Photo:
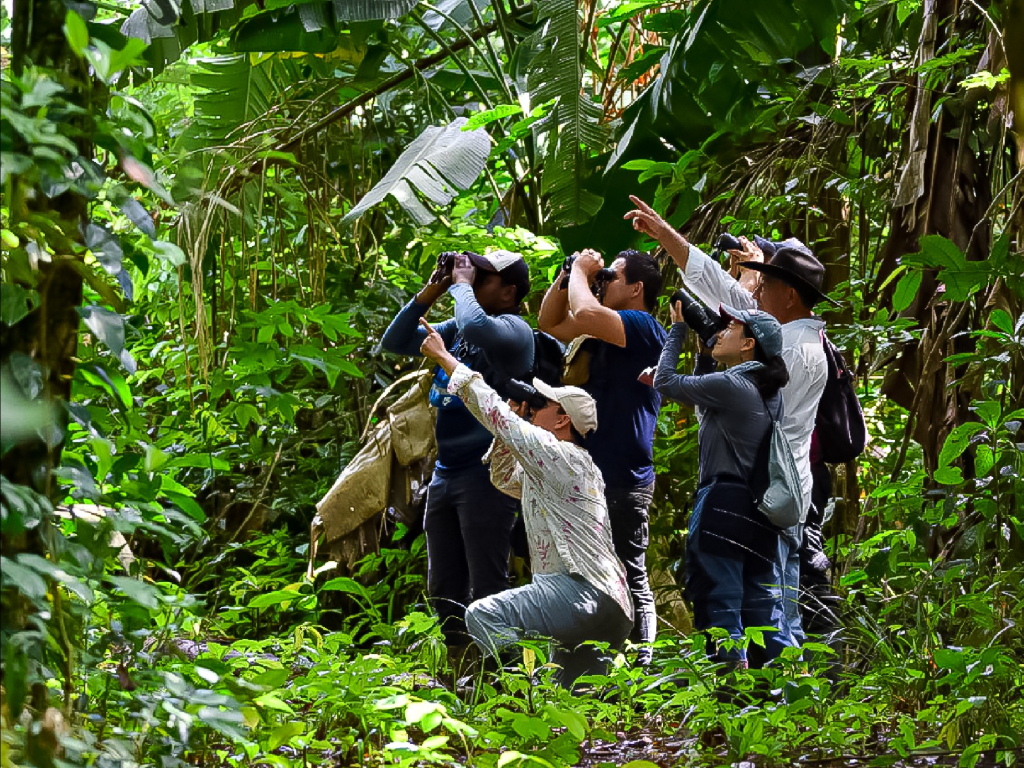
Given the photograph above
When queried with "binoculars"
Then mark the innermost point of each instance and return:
(705, 323)
(521, 392)
(600, 279)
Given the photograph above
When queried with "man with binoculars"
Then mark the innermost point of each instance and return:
(467, 552)
(611, 309)
(789, 287)
(578, 592)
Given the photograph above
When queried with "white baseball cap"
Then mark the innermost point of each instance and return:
(577, 403)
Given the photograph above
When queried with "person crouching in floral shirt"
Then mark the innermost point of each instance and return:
(579, 591)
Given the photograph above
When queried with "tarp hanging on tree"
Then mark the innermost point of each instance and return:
(361, 490)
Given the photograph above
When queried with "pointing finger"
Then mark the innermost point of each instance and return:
(425, 324)
(641, 204)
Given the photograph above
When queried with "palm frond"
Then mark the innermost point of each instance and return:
(456, 10)
(231, 91)
(437, 163)
(170, 28)
(371, 10)
(556, 74)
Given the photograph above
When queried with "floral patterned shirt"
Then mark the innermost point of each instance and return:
(561, 489)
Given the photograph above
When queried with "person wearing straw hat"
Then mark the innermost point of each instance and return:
(789, 289)
(579, 591)
(732, 550)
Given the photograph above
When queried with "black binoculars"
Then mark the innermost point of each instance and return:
(705, 323)
(521, 392)
(603, 276)
(727, 242)
(446, 261)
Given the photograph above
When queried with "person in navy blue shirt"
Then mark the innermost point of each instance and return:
(625, 340)
(468, 521)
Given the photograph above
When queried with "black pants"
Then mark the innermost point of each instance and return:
(468, 524)
(628, 512)
(817, 600)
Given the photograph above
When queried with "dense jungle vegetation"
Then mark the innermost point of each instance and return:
(211, 209)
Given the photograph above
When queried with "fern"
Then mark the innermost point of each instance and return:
(574, 122)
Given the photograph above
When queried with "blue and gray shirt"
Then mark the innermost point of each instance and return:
(479, 340)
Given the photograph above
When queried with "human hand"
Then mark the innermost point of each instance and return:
(675, 311)
(442, 274)
(519, 409)
(646, 220)
(750, 252)
(464, 271)
(433, 346)
(589, 262)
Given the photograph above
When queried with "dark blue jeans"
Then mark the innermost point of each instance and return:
(733, 574)
(468, 524)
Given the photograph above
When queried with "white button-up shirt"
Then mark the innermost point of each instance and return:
(561, 488)
(801, 349)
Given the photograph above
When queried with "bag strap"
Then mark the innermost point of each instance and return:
(732, 448)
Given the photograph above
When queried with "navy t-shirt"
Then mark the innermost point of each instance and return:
(627, 410)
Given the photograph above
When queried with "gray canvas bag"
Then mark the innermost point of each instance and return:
(775, 481)
(782, 502)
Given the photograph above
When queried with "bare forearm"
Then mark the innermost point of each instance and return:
(677, 247)
(554, 307)
(447, 362)
(580, 296)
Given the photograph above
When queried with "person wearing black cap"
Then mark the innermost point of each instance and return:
(789, 288)
(467, 553)
(732, 565)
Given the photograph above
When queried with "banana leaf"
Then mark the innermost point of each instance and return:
(435, 165)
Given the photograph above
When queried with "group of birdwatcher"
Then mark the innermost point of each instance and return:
(548, 434)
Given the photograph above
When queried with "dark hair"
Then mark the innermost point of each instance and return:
(774, 376)
(642, 268)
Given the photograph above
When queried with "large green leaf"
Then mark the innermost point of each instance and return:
(574, 123)
(372, 10)
(230, 92)
(439, 161)
(308, 27)
(170, 26)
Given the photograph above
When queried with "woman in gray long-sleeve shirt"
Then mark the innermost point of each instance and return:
(732, 568)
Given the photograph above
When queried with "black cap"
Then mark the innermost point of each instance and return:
(510, 265)
(795, 265)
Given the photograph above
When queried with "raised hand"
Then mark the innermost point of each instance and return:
(589, 262)
(750, 252)
(645, 219)
(432, 346)
(464, 271)
(675, 311)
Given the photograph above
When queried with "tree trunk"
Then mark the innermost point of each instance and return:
(944, 190)
(44, 342)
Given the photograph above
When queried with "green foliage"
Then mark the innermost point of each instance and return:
(156, 583)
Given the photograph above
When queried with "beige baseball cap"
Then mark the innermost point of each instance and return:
(577, 403)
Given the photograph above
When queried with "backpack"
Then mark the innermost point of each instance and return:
(775, 481)
(548, 354)
(782, 501)
(547, 364)
(839, 424)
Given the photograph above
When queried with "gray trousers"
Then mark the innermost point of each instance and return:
(565, 608)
